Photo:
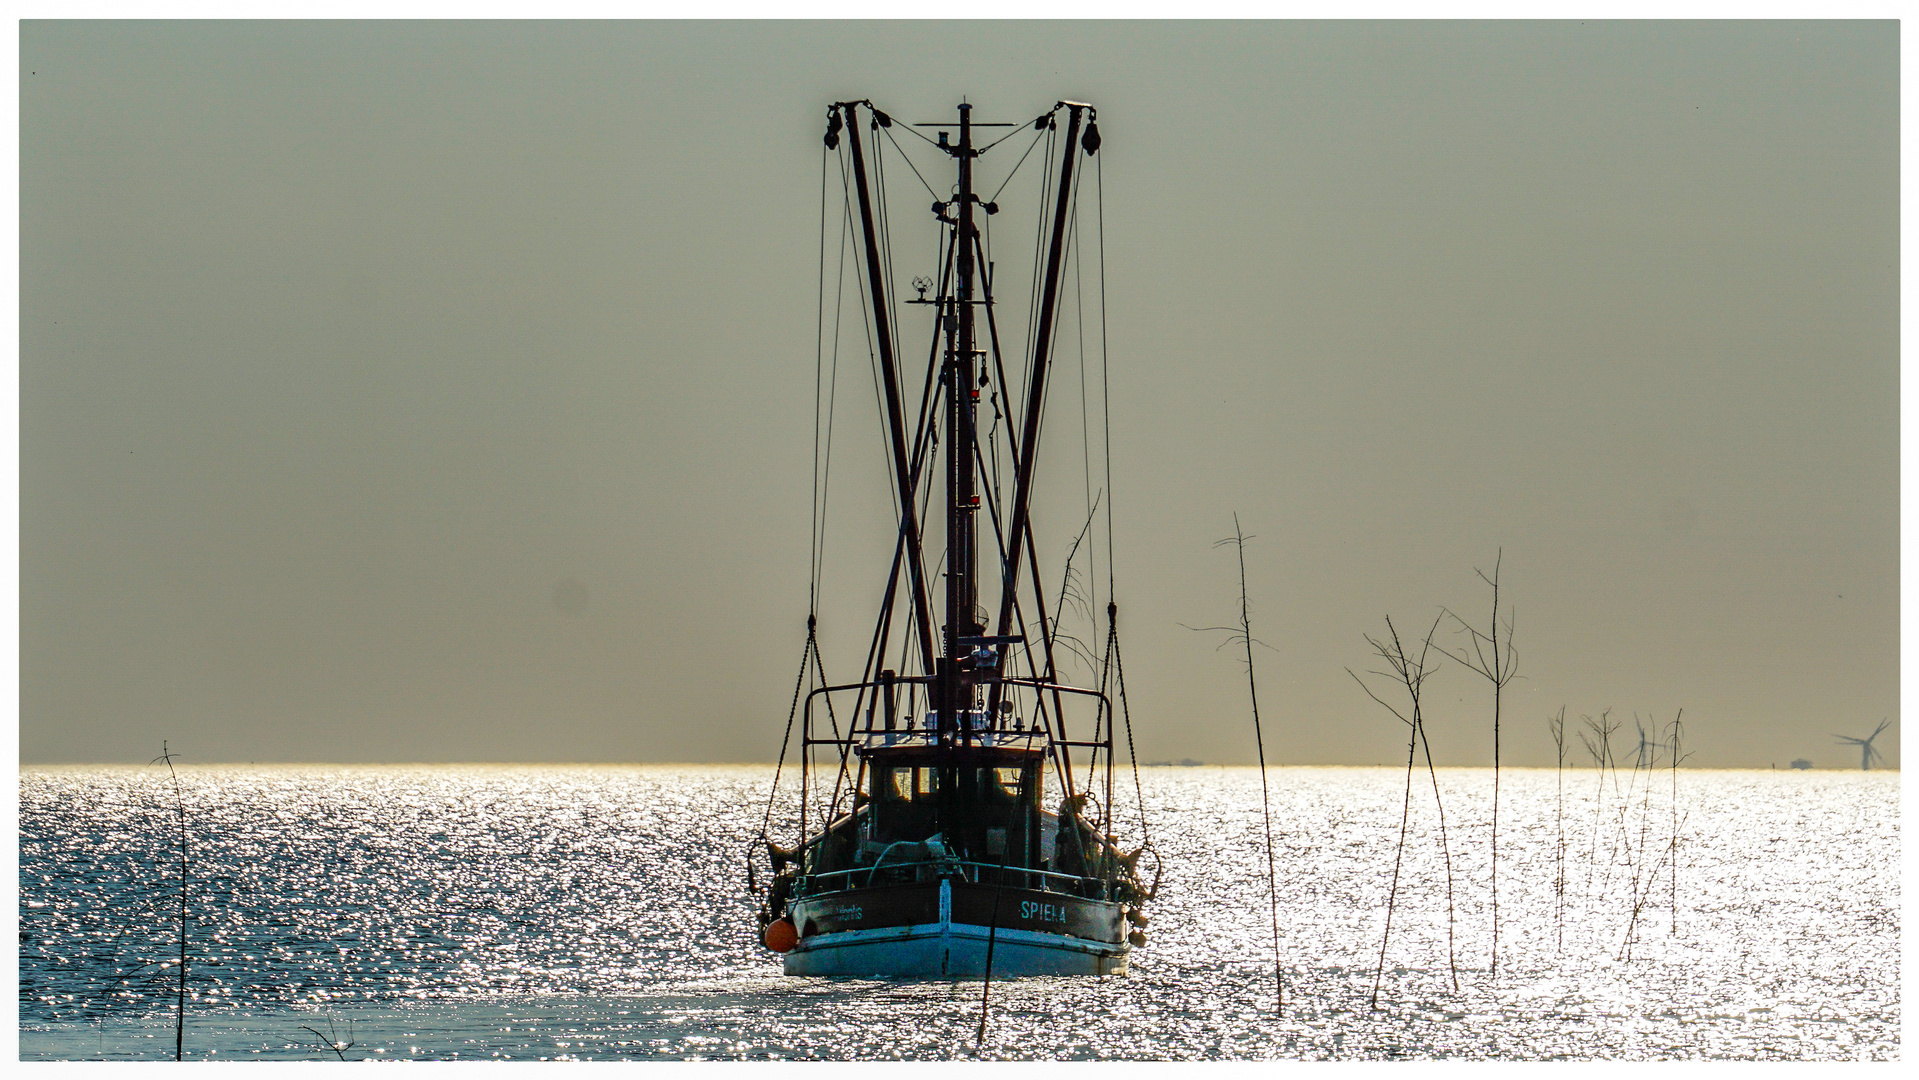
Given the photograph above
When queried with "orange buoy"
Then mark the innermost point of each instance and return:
(780, 935)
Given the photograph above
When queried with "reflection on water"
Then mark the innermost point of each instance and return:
(601, 912)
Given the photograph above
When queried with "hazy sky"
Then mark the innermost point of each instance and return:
(444, 392)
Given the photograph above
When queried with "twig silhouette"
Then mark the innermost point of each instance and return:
(1498, 666)
(1677, 757)
(1412, 675)
(1557, 725)
(331, 1039)
(180, 1001)
(1599, 748)
(1639, 897)
(1073, 596)
(1243, 635)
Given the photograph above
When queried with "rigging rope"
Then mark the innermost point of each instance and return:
(1106, 420)
(1105, 382)
(866, 316)
(819, 366)
(816, 530)
(916, 133)
(925, 437)
(1119, 665)
(1085, 428)
(1041, 716)
(791, 711)
(1035, 122)
(823, 461)
(1104, 713)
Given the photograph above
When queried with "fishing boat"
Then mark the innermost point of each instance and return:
(955, 812)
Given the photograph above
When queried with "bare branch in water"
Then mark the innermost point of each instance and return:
(331, 1039)
(1411, 674)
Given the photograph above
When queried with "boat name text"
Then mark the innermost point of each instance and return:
(1032, 909)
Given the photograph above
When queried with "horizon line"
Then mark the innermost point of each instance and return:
(769, 764)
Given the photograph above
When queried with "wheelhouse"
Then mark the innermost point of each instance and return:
(983, 804)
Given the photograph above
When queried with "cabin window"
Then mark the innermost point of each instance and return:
(1003, 783)
(904, 783)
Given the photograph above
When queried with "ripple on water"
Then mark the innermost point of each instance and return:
(593, 912)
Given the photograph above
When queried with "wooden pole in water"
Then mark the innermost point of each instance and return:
(1243, 634)
(1675, 822)
(1265, 796)
(1245, 637)
(180, 999)
(992, 936)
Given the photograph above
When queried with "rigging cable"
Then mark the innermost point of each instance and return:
(1071, 251)
(1105, 712)
(1012, 451)
(819, 366)
(846, 211)
(813, 567)
(825, 482)
(888, 132)
(1039, 428)
(982, 247)
(926, 436)
(1035, 122)
(877, 651)
(791, 711)
(823, 465)
(866, 307)
(1119, 665)
(834, 721)
(1022, 160)
(1112, 603)
(1039, 260)
(928, 395)
(916, 134)
(1105, 381)
(1085, 428)
(1048, 213)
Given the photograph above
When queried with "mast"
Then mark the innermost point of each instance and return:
(962, 498)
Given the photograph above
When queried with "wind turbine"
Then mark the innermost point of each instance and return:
(1648, 751)
(1867, 753)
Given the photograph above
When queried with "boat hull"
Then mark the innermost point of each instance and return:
(952, 950)
(944, 931)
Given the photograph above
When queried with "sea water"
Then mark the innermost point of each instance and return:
(603, 912)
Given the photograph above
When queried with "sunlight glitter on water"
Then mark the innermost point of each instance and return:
(600, 912)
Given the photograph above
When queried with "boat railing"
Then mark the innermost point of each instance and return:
(863, 731)
(927, 736)
(972, 872)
